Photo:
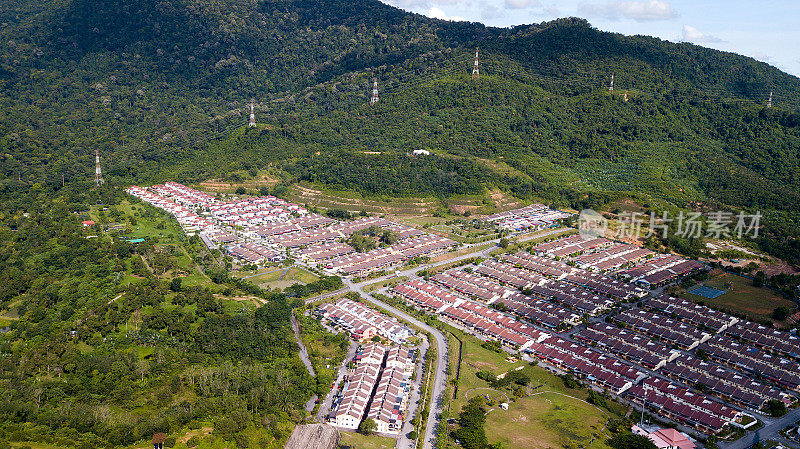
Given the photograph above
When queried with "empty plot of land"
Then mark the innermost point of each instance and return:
(307, 194)
(281, 277)
(740, 296)
(548, 420)
(359, 441)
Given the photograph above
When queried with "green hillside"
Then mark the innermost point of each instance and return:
(159, 87)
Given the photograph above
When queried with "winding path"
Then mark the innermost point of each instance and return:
(303, 352)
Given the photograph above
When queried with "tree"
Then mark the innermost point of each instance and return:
(504, 242)
(759, 278)
(775, 407)
(781, 313)
(175, 284)
(240, 190)
(471, 433)
(629, 440)
(368, 427)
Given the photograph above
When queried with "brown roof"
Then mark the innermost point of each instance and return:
(159, 438)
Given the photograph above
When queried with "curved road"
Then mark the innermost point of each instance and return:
(440, 373)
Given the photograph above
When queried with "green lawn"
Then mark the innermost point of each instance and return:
(530, 421)
(741, 296)
(548, 420)
(271, 276)
(358, 441)
(145, 227)
(474, 359)
(419, 221)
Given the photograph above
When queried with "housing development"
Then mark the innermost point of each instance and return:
(379, 385)
(259, 229)
(590, 307)
(595, 313)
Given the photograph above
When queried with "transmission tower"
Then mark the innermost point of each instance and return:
(98, 173)
(374, 98)
(252, 123)
(611, 86)
(769, 101)
(475, 71)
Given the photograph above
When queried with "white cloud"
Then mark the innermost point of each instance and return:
(692, 34)
(522, 4)
(422, 5)
(489, 12)
(636, 10)
(437, 13)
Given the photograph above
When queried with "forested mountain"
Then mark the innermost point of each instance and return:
(159, 87)
(143, 80)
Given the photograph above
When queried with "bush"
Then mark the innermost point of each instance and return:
(631, 441)
(492, 345)
(488, 376)
(339, 214)
(194, 441)
(569, 381)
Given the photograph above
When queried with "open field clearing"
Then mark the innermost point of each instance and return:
(548, 420)
(740, 296)
(359, 441)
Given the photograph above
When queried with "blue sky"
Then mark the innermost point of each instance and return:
(765, 30)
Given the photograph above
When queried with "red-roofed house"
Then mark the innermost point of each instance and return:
(666, 438)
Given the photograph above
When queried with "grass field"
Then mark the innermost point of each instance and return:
(145, 227)
(741, 296)
(419, 221)
(276, 277)
(531, 421)
(461, 252)
(358, 441)
(475, 359)
(548, 420)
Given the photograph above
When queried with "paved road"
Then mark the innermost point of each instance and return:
(303, 352)
(416, 395)
(768, 432)
(326, 295)
(541, 234)
(411, 272)
(440, 373)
